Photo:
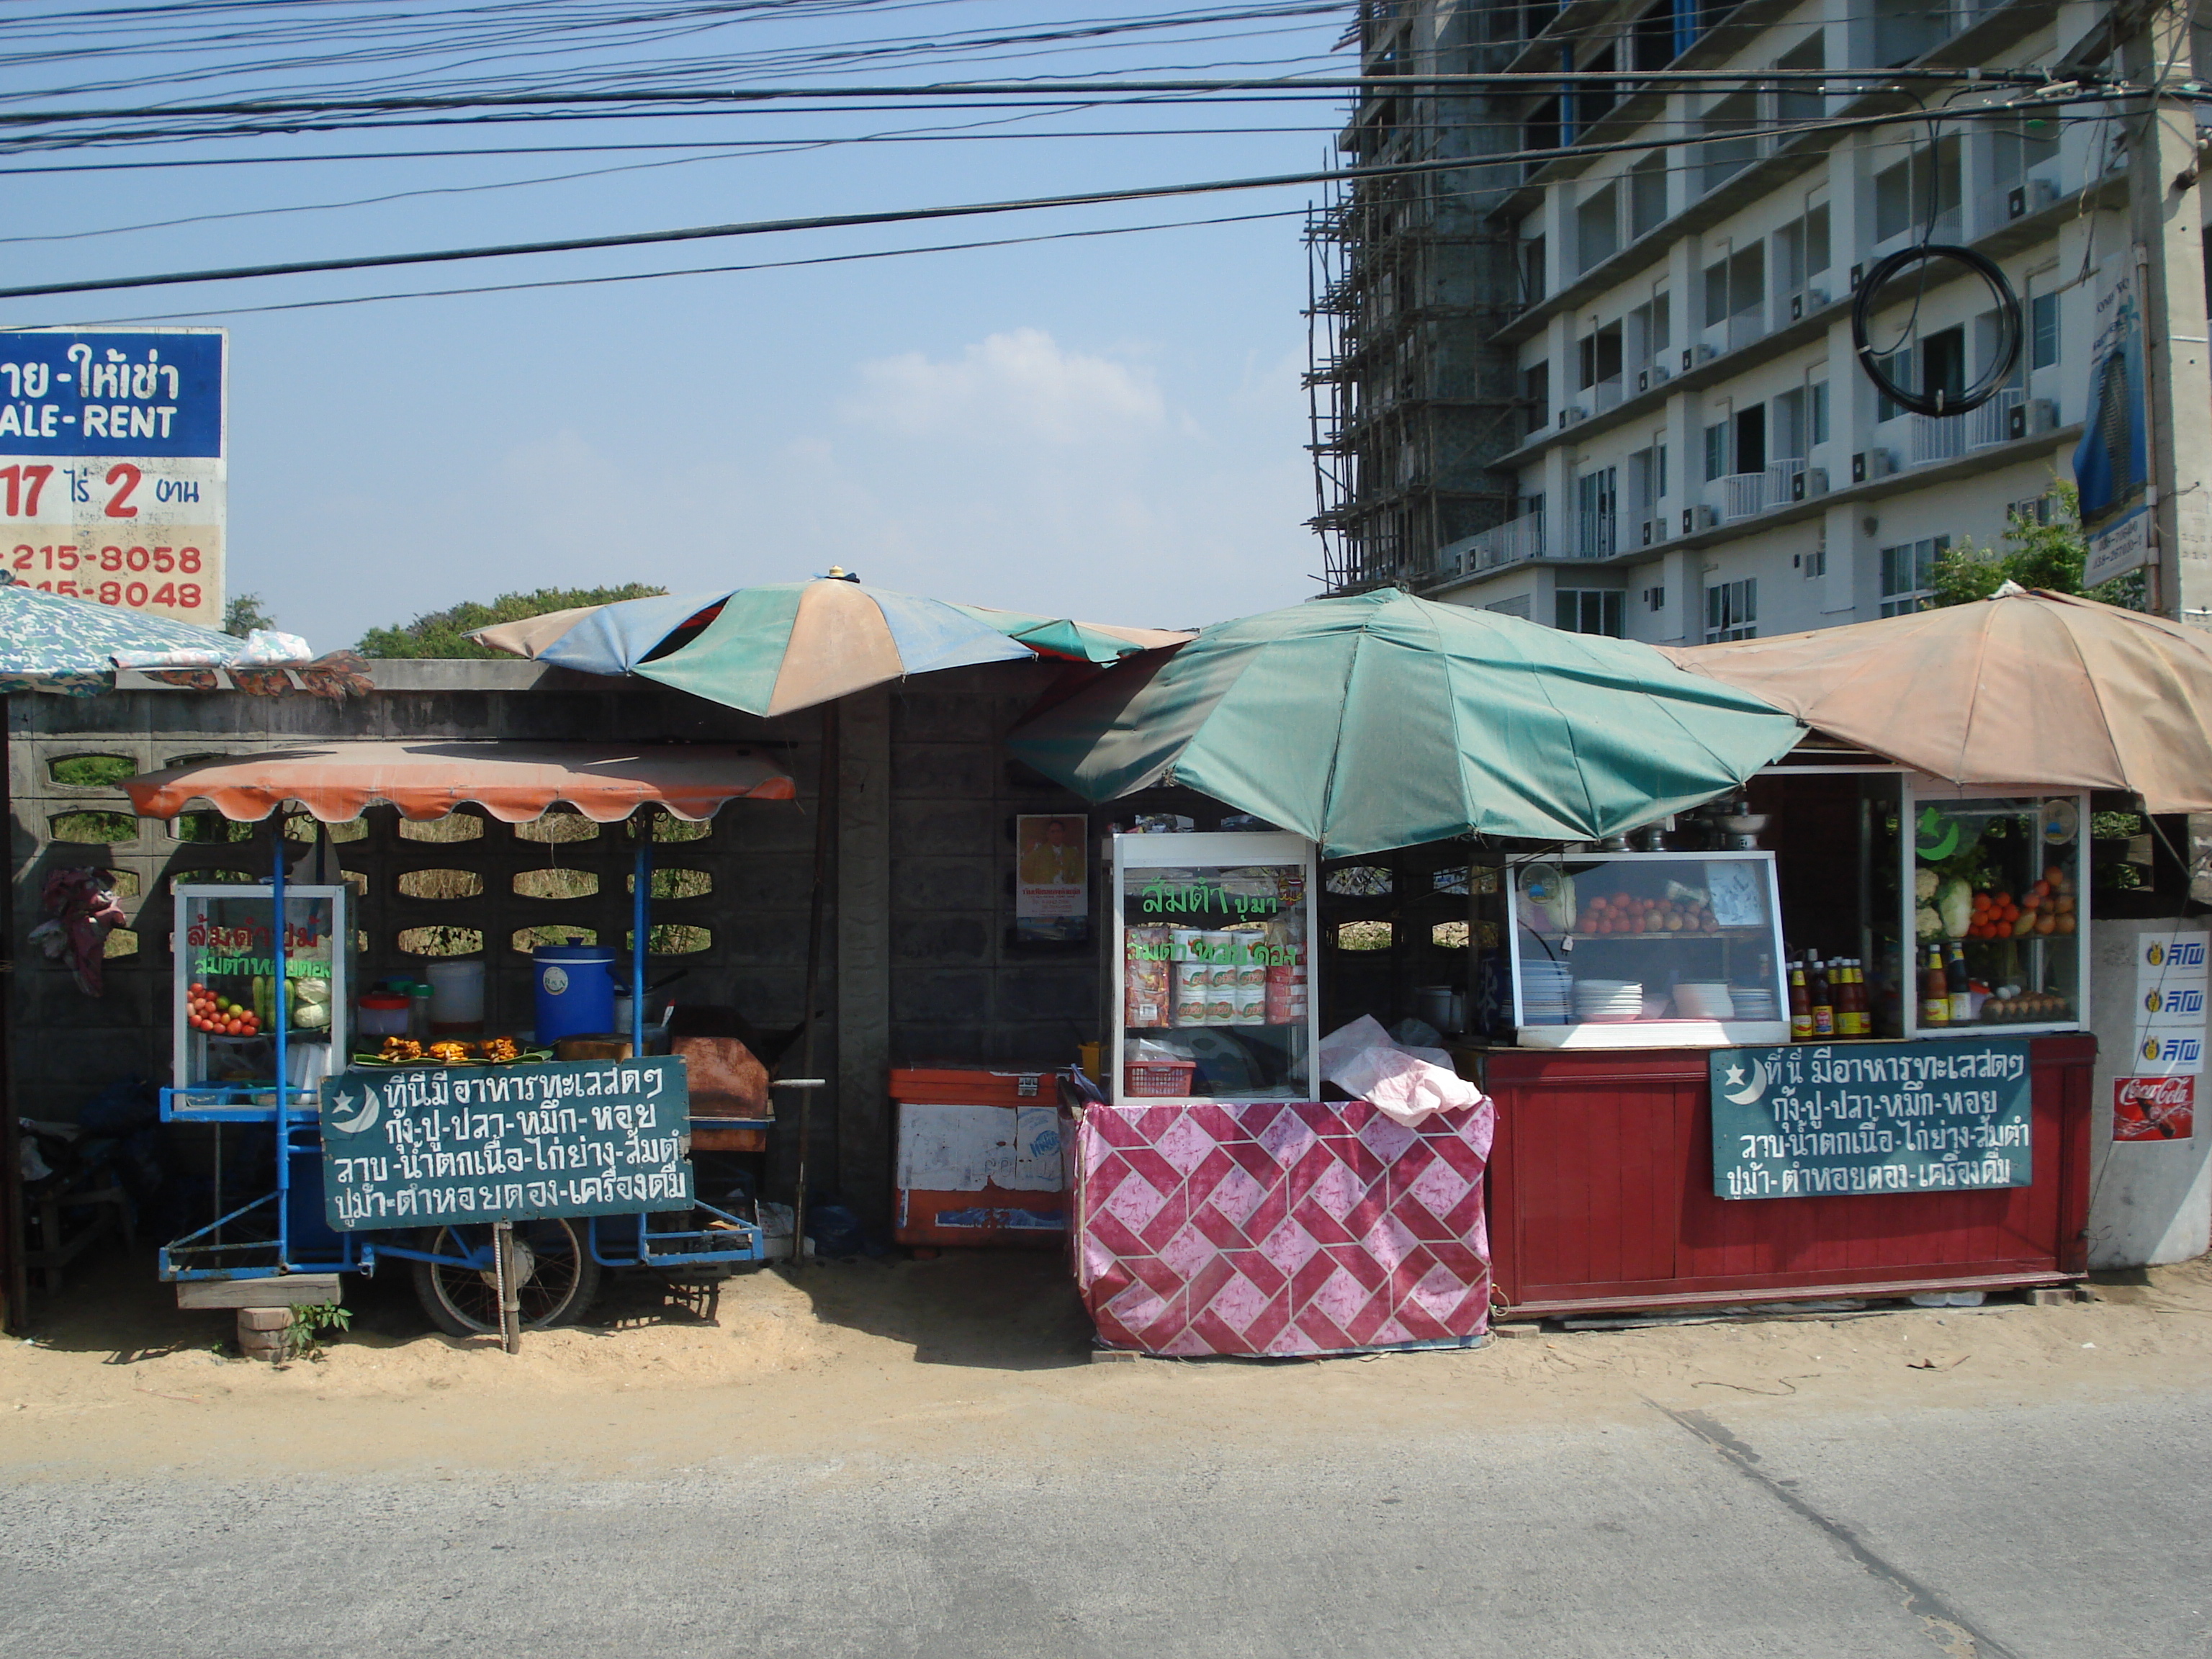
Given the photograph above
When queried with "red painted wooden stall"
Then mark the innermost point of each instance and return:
(1601, 1196)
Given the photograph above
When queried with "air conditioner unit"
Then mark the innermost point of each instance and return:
(1816, 298)
(1644, 379)
(1570, 414)
(1872, 464)
(2027, 420)
(1656, 530)
(1660, 374)
(1797, 307)
(1809, 484)
(1695, 519)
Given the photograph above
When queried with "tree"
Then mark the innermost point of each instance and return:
(445, 633)
(244, 614)
(2050, 555)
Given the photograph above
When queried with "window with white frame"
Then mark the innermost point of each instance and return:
(1716, 451)
(1732, 610)
(1908, 573)
(2043, 331)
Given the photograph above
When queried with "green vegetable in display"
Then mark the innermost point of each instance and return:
(1954, 903)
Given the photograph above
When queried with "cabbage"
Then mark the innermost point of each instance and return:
(1925, 882)
(1954, 903)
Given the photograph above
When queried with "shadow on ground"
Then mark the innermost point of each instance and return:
(1004, 1309)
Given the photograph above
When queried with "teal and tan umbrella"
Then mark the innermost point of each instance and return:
(786, 646)
(1384, 721)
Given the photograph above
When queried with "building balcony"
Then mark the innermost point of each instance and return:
(1512, 542)
(1945, 437)
(1747, 494)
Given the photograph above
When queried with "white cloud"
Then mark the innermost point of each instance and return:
(1019, 386)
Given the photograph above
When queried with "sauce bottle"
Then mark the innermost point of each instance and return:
(1800, 1006)
(1935, 990)
(1824, 1001)
(1954, 978)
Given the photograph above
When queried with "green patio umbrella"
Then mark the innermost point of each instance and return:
(1384, 721)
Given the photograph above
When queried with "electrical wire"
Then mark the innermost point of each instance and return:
(901, 216)
(704, 270)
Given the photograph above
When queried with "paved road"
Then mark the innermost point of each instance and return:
(2035, 1531)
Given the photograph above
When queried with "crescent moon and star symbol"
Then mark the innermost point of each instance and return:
(1734, 1087)
(372, 1104)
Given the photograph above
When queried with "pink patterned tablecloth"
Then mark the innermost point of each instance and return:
(1251, 1228)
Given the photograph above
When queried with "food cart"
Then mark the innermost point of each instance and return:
(263, 1013)
(1220, 1205)
(1637, 993)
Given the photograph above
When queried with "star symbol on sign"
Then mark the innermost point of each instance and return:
(1735, 1077)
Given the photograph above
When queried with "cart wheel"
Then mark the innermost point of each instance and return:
(559, 1279)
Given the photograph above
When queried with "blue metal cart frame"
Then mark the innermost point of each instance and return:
(301, 1241)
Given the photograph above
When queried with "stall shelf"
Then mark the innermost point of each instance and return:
(1212, 937)
(1647, 949)
(1601, 1185)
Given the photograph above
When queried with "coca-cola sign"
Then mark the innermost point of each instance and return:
(2154, 1107)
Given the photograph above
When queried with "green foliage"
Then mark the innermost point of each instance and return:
(445, 633)
(303, 1337)
(2048, 555)
(244, 614)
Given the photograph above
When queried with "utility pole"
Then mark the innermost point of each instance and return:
(2167, 219)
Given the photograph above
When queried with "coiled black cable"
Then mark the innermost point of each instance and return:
(2009, 330)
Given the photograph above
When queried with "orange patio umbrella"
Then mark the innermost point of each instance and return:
(2025, 687)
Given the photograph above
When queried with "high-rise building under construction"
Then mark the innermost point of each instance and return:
(1603, 375)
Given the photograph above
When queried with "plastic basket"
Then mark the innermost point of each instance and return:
(1158, 1079)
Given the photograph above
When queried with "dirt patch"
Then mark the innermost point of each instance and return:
(906, 1358)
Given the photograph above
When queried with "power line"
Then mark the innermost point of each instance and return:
(1831, 80)
(906, 216)
(704, 270)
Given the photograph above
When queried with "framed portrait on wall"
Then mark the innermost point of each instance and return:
(1052, 877)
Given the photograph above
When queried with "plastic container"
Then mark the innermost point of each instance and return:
(1158, 1079)
(380, 1014)
(418, 1012)
(575, 990)
(457, 996)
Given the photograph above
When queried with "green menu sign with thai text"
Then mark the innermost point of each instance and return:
(443, 1145)
(1812, 1120)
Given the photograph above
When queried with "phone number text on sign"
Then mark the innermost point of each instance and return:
(112, 474)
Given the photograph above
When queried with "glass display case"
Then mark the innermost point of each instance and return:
(1647, 950)
(1979, 907)
(1213, 937)
(229, 977)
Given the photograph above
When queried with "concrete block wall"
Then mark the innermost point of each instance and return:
(918, 965)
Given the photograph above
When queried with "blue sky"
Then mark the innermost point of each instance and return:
(1111, 426)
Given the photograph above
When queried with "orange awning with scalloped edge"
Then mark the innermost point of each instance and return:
(514, 782)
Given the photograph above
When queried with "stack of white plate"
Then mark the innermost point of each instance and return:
(1543, 990)
(1704, 1001)
(1608, 1001)
(1755, 1002)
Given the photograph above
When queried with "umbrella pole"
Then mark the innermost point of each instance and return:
(825, 813)
(18, 1286)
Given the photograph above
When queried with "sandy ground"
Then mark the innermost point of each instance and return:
(969, 1350)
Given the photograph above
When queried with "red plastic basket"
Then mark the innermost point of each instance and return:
(1158, 1079)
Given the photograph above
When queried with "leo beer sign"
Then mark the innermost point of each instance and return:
(112, 467)
(2159, 1102)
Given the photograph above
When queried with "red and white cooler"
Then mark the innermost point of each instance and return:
(979, 1158)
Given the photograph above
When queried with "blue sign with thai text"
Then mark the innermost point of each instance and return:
(109, 394)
